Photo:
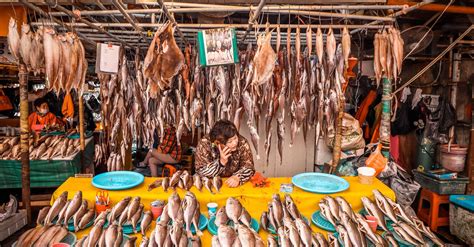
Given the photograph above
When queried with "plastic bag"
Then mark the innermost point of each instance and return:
(376, 160)
(405, 188)
(352, 138)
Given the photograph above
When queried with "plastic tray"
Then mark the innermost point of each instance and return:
(442, 187)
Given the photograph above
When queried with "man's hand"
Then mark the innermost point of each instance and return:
(224, 154)
(233, 182)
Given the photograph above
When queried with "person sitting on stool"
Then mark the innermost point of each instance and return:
(168, 152)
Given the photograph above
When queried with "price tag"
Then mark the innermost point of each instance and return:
(107, 58)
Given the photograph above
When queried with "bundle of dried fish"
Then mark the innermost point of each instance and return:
(183, 180)
(388, 54)
(44, 148)
(42, 236)
(174, 225)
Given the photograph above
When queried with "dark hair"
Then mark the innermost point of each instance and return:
(38, 102)
(222, 131)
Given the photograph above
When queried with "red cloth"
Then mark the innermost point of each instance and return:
(170, 144)
(395, 148)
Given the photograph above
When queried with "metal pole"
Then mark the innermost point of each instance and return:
(254, 18)
(171, 18)
(223, 8)
(24, 140)
(90, 24)
(399, 13)
(68, 27)
(118, 5)
(81, 126)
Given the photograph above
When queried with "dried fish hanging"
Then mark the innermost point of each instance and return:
(60, 56)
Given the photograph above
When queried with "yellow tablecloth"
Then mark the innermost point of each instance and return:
(253, 199)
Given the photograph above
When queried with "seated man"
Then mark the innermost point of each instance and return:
(42, 116)
(168, 152)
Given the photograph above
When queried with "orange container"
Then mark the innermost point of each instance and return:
(377, 161)
(99, 208)
(372, 222)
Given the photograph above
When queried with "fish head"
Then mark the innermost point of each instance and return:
(25, 28)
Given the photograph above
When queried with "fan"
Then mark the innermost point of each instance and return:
(413, 35)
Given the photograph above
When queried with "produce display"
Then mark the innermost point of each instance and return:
(44, 148)
(183, 180)
(174, 225)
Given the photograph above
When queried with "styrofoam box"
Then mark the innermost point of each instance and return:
(12, 224)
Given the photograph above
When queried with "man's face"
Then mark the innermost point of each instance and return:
(43, 108)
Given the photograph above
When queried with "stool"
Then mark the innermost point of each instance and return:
(171, 170)
(432, 215)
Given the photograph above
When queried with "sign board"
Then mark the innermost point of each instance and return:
(107, 58)
(217, 47)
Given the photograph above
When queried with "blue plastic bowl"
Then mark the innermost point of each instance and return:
(119, 180)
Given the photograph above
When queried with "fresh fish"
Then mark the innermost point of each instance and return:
(331, 47)
(111, 235)
(136, 217)
(197, 182)
(405, 235)
(217, 183)
(95, 233)
(373, 210)
(245, 217)
(165, 218)
(366, 229)
(88, 217)
(283, 239)
(36, 235)
(55, 209)
(413, 232)
(293, 233)
(130, 242)
(356, 237)
(42, 215)
(119, 208)
(221, 217)
(73, 206)
(165, 183)
(133, 207)
(226, 236)
(326, 212)
(176, 232)
(157, 183)
(123, 217)
(343, 236)
(233, 209)
(321, 240)
(245, 236)
(13, 38)
(189, 205)
(391, 240)
(271, 242)
(344, 206)
(333, 207)
(56, 237)
(385, 206)
(160, 233)
(175, 178)
(291, 207)
(346, 46)
(277, 209)
(264, 221)
(215, 241)
(79, 214)
(208, 184)
(146, 221)
(119, 239)
(319, 45)
(174, 204)
(102, 216)
(304, 232)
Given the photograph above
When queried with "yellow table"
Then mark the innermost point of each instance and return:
(255, 200)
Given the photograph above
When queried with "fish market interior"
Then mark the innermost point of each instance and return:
(231, 123)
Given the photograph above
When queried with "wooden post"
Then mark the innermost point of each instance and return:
(81, 128)
(24, 142)
(386, 115)
(336, 151)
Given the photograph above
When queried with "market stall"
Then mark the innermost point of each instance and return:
(47, 173)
